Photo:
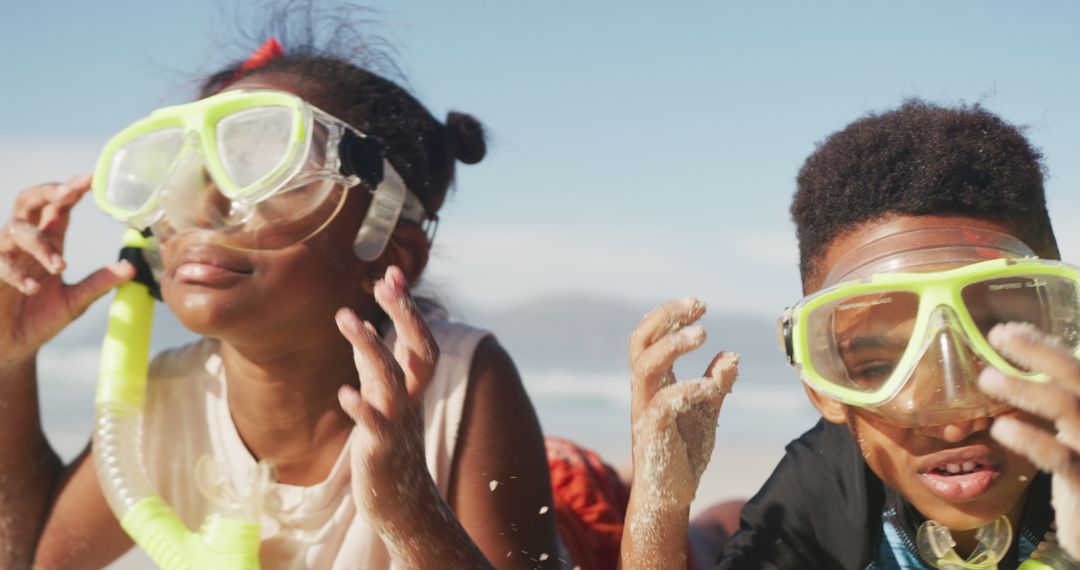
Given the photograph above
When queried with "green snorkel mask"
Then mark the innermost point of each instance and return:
(252, 170)
(899, 327)
(262, 169)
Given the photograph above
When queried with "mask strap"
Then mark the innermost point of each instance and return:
(382, 215)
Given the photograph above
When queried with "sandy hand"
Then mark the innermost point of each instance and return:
(390, 480)
(35, 303)
(1058, 451)
(389, 470)
(674, 423)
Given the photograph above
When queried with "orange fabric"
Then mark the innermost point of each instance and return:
(590, 504)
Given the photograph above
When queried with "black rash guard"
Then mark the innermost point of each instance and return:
(823, 508)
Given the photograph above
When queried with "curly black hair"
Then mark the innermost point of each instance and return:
(921, 159)
(326, 46)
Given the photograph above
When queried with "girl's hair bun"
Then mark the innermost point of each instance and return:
(466, 137)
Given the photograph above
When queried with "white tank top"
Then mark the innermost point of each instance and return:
(187, 416)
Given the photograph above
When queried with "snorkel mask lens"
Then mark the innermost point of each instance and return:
(907, 343)
(263, 169)
(254, 143)
(137, 169)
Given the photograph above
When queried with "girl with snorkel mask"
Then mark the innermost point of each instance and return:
(289, 209)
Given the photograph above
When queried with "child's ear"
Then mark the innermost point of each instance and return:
(408, 249)
(830, 409)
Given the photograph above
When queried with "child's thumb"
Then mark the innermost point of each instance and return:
(82, 294)
(724, 368)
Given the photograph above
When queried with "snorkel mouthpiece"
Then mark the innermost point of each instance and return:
(936, 546)
(225, 541)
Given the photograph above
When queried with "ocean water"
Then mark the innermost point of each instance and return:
(593, 409)
(590, 408)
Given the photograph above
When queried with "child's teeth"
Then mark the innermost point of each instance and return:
(952, 468)
(969, 466)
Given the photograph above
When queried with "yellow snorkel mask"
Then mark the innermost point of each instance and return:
(259, 170)
(899, 328)
(262, 169)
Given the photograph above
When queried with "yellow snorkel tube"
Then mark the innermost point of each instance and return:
(229, 537)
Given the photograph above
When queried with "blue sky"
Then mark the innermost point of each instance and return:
(639, 150)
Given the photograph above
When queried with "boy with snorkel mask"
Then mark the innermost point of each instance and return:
(937, 339)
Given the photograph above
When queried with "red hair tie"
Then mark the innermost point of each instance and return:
(270, 49)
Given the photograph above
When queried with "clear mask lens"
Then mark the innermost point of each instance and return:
(857, 342)
(1049, 302)
(254, 143)
(191, 201)
(140, 166)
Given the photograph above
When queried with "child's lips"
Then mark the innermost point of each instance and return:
(960, 474)
(206, 273)
(205, 265)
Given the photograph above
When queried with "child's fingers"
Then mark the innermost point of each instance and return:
(28, 238)
(663, 320)
(661, 355)
(698, 391)
(415, 348)
(357, 408)
(1040, 446)
(724, 369)
(650, 371)
(1047, 400)
(380, 383)
(1037, 351)
(695, 406)
(13, 274)
(30, 202)
(55, 214)
(82, 294)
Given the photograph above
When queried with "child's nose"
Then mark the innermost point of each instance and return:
(957, 431)
(211, 208)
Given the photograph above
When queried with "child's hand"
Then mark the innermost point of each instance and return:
(389, 470)
(35, 303)
(673, 427)
(390, 479)
(674, 424)
(1059, 401)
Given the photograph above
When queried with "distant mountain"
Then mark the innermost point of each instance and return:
(590, 335)
(566, 333)
(571, 352)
